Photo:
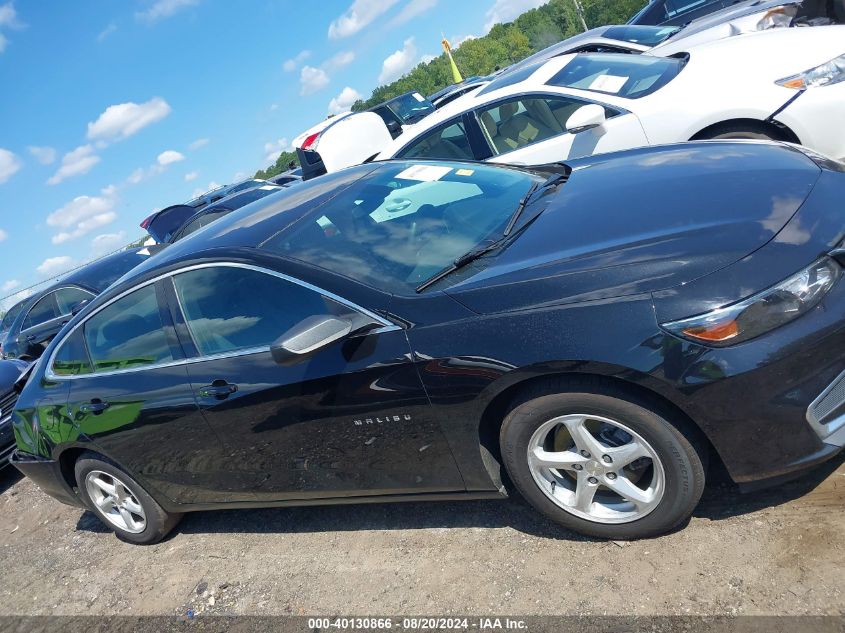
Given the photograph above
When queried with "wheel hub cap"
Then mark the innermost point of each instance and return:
(596, 468)
(115, 502)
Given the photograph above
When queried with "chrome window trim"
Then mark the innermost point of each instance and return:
(52, 292)
(387, 326)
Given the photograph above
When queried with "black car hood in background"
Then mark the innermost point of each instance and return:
(644, 220)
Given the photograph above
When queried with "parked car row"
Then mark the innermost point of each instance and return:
(590, 327)
(734, 74)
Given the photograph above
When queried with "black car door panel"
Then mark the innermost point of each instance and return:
(352, 419)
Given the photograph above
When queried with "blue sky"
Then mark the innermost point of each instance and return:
(111, 110)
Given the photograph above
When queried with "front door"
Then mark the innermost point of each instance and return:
(130, 394)
(531, 130)
(353, 419)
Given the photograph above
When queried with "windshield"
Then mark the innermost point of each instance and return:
(411, 107)
(629, 76)
(406, 221)
(641, 34)
(168, 220)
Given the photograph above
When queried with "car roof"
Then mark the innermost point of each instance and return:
(93, 277)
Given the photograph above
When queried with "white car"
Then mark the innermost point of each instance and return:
(783, 84)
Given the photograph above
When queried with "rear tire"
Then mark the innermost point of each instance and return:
(120, 502)
(550, 444)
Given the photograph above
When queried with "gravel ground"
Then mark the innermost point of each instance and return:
(775, 552)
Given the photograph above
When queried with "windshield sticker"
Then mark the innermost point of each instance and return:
(465, 172)
(418, 97)
(608, 83)
(423, 173)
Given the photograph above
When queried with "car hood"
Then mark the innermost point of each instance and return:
(643, 220)
(10, 371)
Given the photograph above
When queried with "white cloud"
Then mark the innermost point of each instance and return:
(111, 28)
(9, 165)
(200, 142)
(506, 10)
(274, 148)
(125, 119)
(199, 192)
(457, 40)
(15, 298)
(412, 10)
(293, 63)
(3, 235)
(312, 80)
(108, 242)
(359, 14)
(9, 17)
(191, 175)
(136, 176)
(338, 61)
(82, 215)
(10, 285)
(55, 265)
(427, 58)
(75, 163)
(162, 9)
(168, 157)
(344, 101)
(44, 155)
(399, 62)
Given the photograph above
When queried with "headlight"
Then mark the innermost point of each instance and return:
(762, 312)
(827, 74)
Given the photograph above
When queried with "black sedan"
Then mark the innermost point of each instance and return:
(44, 314)
(593, 333)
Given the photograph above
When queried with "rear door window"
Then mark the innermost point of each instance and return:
(128, 333)
(45, 309)
(68, 298)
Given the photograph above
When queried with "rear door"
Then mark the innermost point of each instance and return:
(130, 394)
(352, 420)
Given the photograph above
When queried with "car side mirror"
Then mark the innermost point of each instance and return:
(308, 337)
(586, 118)
(77, 307)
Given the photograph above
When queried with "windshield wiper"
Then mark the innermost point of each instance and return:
(532, 191)
(460, 262)
(491, 245)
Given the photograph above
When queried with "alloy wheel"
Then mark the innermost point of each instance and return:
(115, 501)
(596, 468)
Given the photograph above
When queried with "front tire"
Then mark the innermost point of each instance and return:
(750, 130)
(603, 462)
(120, 502)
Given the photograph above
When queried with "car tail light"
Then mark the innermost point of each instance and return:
(762, 312)
(146, 223)
(311, 140)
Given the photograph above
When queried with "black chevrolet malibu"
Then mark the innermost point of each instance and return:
(590, 334)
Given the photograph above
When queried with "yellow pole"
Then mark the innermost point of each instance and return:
(447, 48)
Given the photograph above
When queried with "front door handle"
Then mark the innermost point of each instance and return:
(95, 406)
(219, 389)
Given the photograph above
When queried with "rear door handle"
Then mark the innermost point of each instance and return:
(94, 407)
(218, 389)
